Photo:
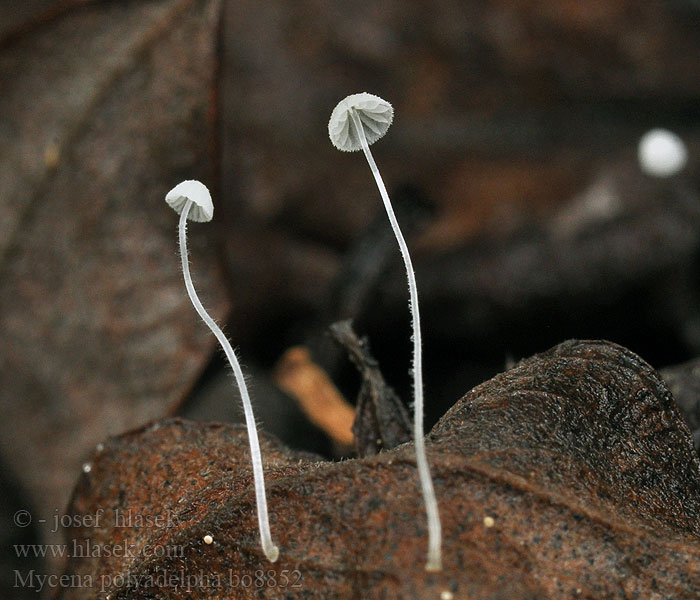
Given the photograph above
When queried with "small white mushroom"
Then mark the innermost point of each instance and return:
(374, 113)
(191, 199)
(661, 153)
(358, 121)
(201, 208)
(208, 540)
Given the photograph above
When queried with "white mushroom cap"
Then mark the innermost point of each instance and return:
(202, 207)
(376, 116)
(661, 153)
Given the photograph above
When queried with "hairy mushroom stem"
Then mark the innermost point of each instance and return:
(434, 562)
(269, 548)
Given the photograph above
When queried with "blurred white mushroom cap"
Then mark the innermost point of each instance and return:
(661, 153)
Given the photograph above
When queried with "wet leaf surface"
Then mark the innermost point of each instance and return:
(571, 475)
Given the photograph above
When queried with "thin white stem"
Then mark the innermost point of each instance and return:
(271, 551)
(434, 562)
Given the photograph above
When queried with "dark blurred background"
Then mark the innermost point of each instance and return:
(512, 163)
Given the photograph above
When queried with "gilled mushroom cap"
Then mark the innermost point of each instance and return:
(375, 114)
(202, 207)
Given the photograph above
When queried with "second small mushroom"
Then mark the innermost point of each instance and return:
(356, 122)
(191, 199)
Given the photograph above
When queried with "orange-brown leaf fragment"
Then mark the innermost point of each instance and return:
(321, 401)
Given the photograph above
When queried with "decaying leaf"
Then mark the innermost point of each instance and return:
(572, 475)
(684, 383)
(603, 261)
(97, 334)
(381, 419)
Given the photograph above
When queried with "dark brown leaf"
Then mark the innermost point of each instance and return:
(570, 476)
(108, 108)
(684, 383)
(606, 259)
(17, 18)
(505, 107)
(381, 420)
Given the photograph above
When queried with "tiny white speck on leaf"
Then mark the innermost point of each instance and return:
(208, 539)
